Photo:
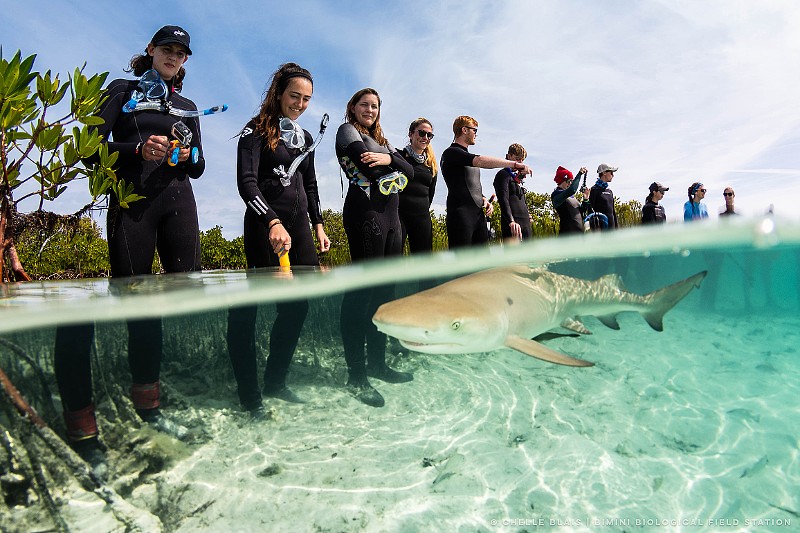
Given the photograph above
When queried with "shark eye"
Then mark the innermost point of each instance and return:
(455, 325)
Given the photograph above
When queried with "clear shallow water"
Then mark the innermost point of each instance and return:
(693, 428)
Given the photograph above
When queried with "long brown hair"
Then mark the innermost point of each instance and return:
(141, 63)
(375, 130)
(430, 158)
(269, 114)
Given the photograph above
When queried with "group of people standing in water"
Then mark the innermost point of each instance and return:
(388, 200)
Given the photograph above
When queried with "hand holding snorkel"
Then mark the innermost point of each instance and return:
(584, 188)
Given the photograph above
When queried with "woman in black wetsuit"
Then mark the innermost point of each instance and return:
(279, 217)
(416, 198)
(165, 219)
(376, 173)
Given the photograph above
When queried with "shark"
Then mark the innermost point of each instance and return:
(511, 306)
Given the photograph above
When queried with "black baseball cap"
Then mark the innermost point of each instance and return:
(656, 186)
(172, 34)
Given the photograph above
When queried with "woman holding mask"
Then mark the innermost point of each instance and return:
(376, 173)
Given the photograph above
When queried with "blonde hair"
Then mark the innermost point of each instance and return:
(375, 131)
(463, 121)
(430, 157)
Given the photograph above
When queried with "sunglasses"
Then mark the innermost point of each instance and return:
(423, 134)
(703, 190)
(727, 194)
(473, 129)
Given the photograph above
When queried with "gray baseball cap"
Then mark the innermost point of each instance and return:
(604, 167)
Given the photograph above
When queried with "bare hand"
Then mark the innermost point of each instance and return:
(322, 237)
(375, 159)
(155, 148)
(279, 239)
(516, 230)
(489, 208)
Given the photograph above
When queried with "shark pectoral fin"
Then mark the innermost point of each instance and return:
(575, 325)
(609, 320)
(540, 351)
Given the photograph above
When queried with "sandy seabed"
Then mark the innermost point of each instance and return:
(694, 428)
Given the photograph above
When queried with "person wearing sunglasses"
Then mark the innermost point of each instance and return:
(515, 219)
(278, 219)
(652, 211)
(165, 219)
(570, 211)
(694, 208)
(728, 194)
(416, 199)
(376, 173)
(467, 207)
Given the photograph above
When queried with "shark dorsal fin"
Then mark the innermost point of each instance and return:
(612, 280)
(540, 351)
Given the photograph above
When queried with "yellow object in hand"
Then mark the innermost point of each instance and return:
(283, 258)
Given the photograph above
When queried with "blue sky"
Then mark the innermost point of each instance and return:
(667, 90)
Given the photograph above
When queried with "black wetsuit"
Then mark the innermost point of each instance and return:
(602, 201)
(653, 213)
(466, 220)
(166, 219)
(570, 211)
(372, 224)
(415, 206)
(513, 208)
(297, 207)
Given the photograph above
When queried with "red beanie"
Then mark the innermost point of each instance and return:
(562, 174)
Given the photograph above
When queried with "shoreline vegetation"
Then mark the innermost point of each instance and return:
(66, 248)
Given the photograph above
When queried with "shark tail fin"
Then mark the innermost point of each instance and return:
(666, 298)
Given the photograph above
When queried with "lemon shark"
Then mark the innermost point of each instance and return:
(509, 306)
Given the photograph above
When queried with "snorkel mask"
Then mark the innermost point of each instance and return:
(392, 183)
(291, 133)
(151, 88)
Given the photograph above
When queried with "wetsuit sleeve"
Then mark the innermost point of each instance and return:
(195, 170)
(560, 196)
(400, 164)
(432, 190)
(349, 141)
(594, 196)
(310, 186)
(247, 161)
(116, 94)
(459, 158)
(648, 213)
(501, 189)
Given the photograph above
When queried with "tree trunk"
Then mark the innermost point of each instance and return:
(7, 246)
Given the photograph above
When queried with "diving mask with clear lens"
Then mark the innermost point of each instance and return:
(291, 133)
(392, 183)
